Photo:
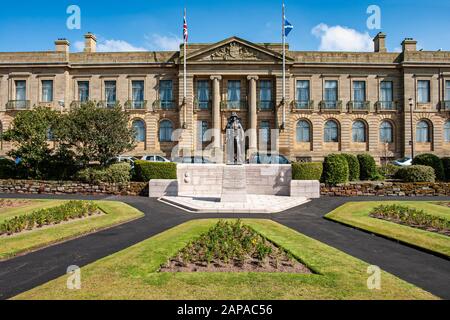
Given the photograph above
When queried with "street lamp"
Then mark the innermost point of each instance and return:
(411, 104)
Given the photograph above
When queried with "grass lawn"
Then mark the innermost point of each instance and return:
(356, 214)
(11, 246)
(132, 273)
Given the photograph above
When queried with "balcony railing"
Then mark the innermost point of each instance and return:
(234, 105)
(445, 105)
(202, 105)
(331, 105)
(267, 105)
(168, 105)
(359, 106)
(107, 104)
(136, 105)
(303, 105)
(386, 106)
(18, 105)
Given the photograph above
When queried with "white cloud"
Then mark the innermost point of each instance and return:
(111, 46)
(338, 38)
(165, 43)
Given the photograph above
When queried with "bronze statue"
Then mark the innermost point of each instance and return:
(235, 141)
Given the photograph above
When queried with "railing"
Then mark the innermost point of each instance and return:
(266, 105)
(18, 105)
(445, 105)
(136, 105)
(202, 105)
(164, 105)
(331, 105)
(386, 106)
(303, 105)
(358, 106)
(234, 105)
(107, 104)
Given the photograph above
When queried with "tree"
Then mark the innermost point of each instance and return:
(96, 134)
(29, 133)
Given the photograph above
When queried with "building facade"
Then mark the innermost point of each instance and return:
(377, 102)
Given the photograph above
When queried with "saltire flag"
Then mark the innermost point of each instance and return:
(185, 29)
(287, 27)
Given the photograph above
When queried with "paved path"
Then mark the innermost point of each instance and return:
(422, 269)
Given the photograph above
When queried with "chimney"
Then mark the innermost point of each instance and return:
(62, 45)
(409, 44)
(380, 42)
(90, 43)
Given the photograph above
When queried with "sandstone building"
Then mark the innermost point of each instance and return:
(336, 101)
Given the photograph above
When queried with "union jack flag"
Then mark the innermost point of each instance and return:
(185, 29)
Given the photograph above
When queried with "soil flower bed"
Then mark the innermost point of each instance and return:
(8, 203)
(233, 247)
(412, 217)
(72, 210)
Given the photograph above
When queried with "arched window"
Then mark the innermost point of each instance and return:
(139, 129)
(165, 131)
(386, 132)
(359, 131)
(303, 131)
(331, 133)
(423, 131)
(447, 131)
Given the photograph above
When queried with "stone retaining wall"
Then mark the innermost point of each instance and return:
(398, 189)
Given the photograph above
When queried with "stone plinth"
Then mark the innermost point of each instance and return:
(234, 184)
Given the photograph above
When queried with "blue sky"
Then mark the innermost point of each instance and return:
(157, 24)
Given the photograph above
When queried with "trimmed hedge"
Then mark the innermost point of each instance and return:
(433, 161)
(446, 164)
(368, 167)
(7, 169)
(307, 171)
(335, 169)
(146, 171)
(416, 173)
(116, 173)
(353, 167)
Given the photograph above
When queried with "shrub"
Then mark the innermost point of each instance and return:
(146, 171)
(368, 167)
(416, 174)
(7, 169)
(388, 170)
(446, 165)
(433, 161)
(116, 173)
(307, 171)
(335, 169)
(353, 167)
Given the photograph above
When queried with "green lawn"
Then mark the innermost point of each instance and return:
(356, 214)
(132, 273)
(11, 246)
(32, 205)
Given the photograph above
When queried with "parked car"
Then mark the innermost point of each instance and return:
(201, 160)
(405, 162)
(155, 158)
(268, 158)
(128, 159)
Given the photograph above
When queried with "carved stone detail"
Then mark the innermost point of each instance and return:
(233, 51)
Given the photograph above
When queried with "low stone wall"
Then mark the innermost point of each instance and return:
(394, 189)
(309, 189)
(71, 187)
(161, 188)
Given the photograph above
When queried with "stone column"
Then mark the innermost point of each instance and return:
(253, 115)
(216, 110)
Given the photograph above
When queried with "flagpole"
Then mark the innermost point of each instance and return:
(283, 33)
(185, 75)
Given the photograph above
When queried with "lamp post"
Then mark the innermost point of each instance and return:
(411, 104)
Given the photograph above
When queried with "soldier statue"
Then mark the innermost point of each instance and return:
(235, 141)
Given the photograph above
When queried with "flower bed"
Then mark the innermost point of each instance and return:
(233, 247)
(412, 217)
(45, 217)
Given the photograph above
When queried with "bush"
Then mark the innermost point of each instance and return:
(368, 167)
(335, 169)
(146, 171)
(416, 174)
(388, 170)
(433, 161)
(307, 171)
(116, 173)
(353, 167)
(7, 169)
(446, 164)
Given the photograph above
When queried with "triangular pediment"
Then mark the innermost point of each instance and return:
(235, 50)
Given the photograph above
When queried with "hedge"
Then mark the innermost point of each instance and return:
(416, 173)
(431, 160)
(116, 173)
(446, 164)
(335, 169)
(368, 167)
(7, 169)
(146, 171)
(307, 171)
(353, 167)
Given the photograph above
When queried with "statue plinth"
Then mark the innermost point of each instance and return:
(234, 185)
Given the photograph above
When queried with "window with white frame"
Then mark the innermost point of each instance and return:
(265, 94)
(137, 88)
(203, 94)
(234, 94)
(359, 94)
(331, 94)
(47, 90)
(303, 94)
(166, 94)
(110, 93)
(387, 95)
(83, 91)
(423, 91)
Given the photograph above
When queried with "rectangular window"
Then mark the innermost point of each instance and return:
(447, 90)
(83, 91)
(265, 131)
(203, 128)
(110, 93)
(203, 95)
(166, 94)
(47, 90)
(387, 95)
(234, 94)
(21, 94)
(359, 91)
(303, 94)
(423, 91)
(138, 94)
(265, 94)
(331, 94)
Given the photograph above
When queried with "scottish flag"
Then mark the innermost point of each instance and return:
(287, 27)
